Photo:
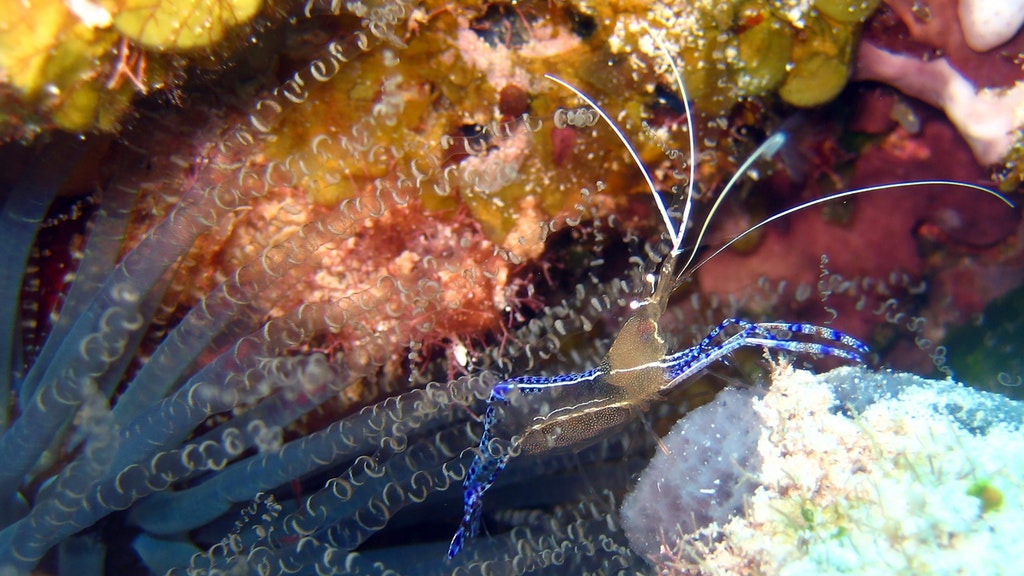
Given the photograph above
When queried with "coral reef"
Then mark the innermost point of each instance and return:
(926, 53)
(850, 472)
(253, 330)
(78, 65)
(813, 263)
(802, 50)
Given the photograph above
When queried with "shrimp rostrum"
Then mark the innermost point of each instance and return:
(542, 414)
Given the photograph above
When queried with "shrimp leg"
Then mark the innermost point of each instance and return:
(495, 449)
(686, 363)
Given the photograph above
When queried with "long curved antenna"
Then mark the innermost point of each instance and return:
(692, 182)
(846, 194)
(673, 234)
(766, 150)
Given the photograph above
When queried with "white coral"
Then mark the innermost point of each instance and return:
(872, 473)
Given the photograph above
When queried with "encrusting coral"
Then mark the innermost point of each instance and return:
(297, 274)
(850, 472)
(935, 52)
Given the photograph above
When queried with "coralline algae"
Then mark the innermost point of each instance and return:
(853, 471)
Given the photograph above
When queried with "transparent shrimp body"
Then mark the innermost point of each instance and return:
(540, 414)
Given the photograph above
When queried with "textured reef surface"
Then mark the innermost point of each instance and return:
(850, 472)
(263, 261)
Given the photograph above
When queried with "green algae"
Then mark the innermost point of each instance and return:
(991, 497)
(182, 24)
(989, 354)
(729, 51)
(78, 66)
(821, 64)
(815, 80)
(846, 11)
(765, 51)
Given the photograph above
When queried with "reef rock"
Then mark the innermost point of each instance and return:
(852, 471)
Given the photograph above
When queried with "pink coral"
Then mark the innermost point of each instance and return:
(923, 53)
(895, 231)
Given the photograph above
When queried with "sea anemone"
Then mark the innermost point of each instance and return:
(294, 285)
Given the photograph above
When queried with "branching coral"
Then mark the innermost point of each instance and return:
(282, 279)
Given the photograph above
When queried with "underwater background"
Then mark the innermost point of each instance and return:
(263, 261)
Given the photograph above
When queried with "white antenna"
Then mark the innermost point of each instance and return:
(766, 150)
(677, 239)
(674, 235)
(846, 194)
(688, 202)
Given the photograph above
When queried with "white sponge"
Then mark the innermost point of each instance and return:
(989, 23)
(851, 472)
(702, 479)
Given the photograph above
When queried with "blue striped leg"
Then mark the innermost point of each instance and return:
(686, 363)
(491, 458)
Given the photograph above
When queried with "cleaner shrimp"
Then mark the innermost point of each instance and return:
(543, 414)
